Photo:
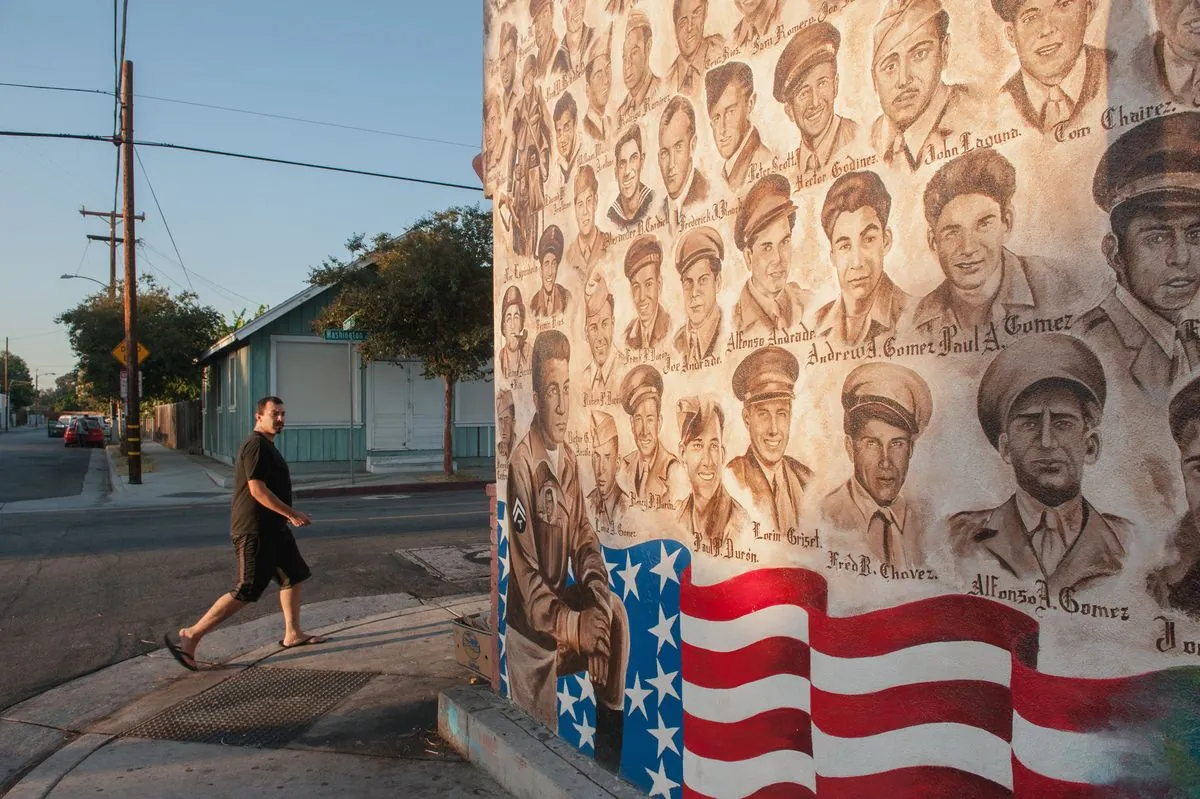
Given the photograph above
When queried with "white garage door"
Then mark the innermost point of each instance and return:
(390, 399)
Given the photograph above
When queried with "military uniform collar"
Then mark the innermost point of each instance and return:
(919, 129)
(745, 149)
(880, 312)
(897, 512)
(1070, 513)
(1072, 85)
(774, 310)
(1153, 325)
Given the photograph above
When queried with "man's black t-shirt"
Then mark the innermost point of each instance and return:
(258, 459)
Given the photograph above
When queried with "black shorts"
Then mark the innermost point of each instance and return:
(263, 557)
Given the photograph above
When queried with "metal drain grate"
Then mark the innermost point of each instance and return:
(262, 707)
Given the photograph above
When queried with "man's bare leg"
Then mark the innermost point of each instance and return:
(289, 600)
(222, 609)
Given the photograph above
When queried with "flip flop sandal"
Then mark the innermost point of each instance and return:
(184, 659)
(312, 639)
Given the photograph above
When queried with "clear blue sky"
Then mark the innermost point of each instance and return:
(252, 229)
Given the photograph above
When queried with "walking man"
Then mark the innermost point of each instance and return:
(265, 547)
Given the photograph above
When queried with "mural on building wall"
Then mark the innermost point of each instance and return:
(849, 391)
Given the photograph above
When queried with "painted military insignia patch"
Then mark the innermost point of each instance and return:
(519, 517)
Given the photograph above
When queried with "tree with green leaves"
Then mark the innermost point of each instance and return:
(176, 329)
(426, 294)
(20, 383)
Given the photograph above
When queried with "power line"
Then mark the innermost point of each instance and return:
(163, 216)
(244, 156)
(228, 293)
(249, 112)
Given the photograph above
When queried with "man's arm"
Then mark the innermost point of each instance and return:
(266, 497)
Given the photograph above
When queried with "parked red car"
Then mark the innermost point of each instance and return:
(84, 431)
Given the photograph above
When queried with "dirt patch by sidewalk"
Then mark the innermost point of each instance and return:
(121, 463)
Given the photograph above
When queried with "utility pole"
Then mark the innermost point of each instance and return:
(133, 412)
(7, 400)
(113, 241)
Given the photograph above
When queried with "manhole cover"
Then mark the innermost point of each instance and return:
(263, 707)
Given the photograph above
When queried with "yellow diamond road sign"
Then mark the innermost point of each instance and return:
(119, 353)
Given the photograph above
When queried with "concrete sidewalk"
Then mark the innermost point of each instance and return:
(353, 716)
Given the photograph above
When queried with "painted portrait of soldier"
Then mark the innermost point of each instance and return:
(855, 220)
(566, 126)
(698, 256)
(591, 242)
(508, 68)
(1040, 404)
(1177, 585)
(970, 217)
(496, 156)
(634, 197)
(554, 628)
(765, 383)
(541, 13)
(506, 416)
(686, 187)
(762, 232)
(641, 84)
(885, 408)
(806, 83)
(709, 515)
(920, 110)
(597, 75)
(696, 50)
(1168, 62)
(602, 375)
(759, 20)
(729, 94)
(516, 353)
(643, 270)
(552, 299)
(1060, 77)
(577, 38)
(606, 502)
(650, 473)
(1148, 183)
(530, 162)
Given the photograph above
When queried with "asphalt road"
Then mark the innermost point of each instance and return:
(34, 466)
(81, 590)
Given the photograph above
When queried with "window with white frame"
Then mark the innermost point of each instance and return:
(231, 383)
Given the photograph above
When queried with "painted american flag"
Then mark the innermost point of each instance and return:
(935, 698)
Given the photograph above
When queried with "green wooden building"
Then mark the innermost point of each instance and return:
(383, 415)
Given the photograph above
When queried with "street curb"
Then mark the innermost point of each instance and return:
(526, 758)
(388, 488)
(116, 484)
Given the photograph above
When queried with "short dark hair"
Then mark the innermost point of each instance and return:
(942, 20)
(696, 423)
(262, 404)
(1184, 412)
(852, 191)
(586, 176)
(632, 134)
(718, 78)
(508, 32)
(679, 105)
(980, 171)
(566, 105)
(675, 10)
(549, 345)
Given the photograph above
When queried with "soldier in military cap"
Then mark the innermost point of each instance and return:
(552, 300)
(1177, 585)
(969, 211)
(568, 61)
(920, 110)
(855, 219)
(696, 50)
(555, 628)
(1149, 184)
(1060, 77)
(531, 162)
(601, 377)
(597, 74)
(639, 77)
(516, 354)
(709, 514)
(759, 20)
(634, 197)
(607, 501)
(686, 187)
(769, 301)
(1040, 403)
(506, 415)
(729, 92)
(806, 83)
(886, 406)
(649, 473)
(643, 269)
(765, 383)
(698, 257)
(591, 243)
(541, 12)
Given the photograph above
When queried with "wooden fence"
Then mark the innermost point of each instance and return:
(177, 426)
